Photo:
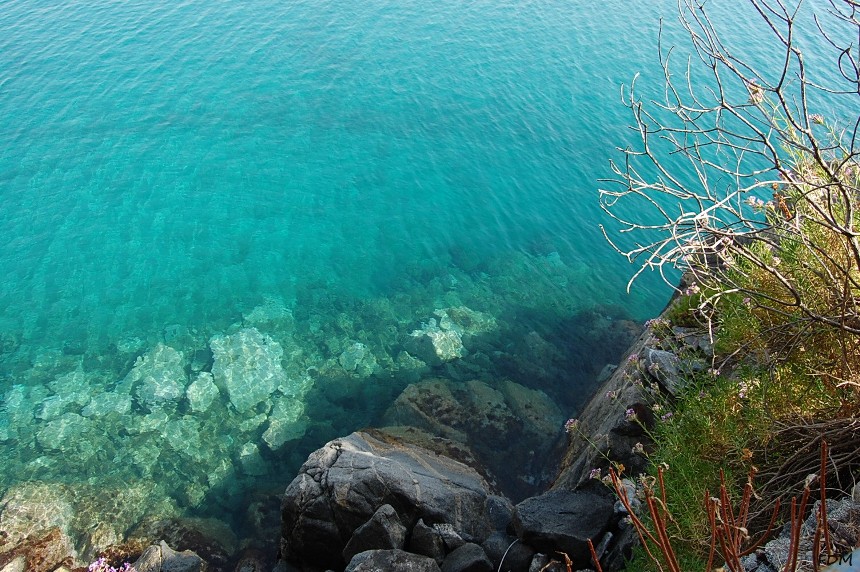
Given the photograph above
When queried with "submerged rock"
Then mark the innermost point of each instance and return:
(63, 433)
(107, 403)
(159, 377)
(33, 509)
(183, 436)
(445, 337)
(247, 365)
(41, 553)
(251, 461)
(465, 321)
(358, 359)
(286, 422)
(71, 389)
(202, 392)
(16, 417)
(272, 314)
(510, 429)
(435, 346)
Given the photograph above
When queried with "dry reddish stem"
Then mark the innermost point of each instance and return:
(822, 527)
(594, 557)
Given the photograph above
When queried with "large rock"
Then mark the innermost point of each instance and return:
(162, 558)
(564, 521)
(247, 365)
(510, 428)
(447, 336)
(508, 553)
(843, 520)
(427, 541)
(604, 432)
(202, 392)
(40, 553)
(434, 346)
(468, 558)
(33, 510)
(287, 422)
(159, 377)
(343, 484)
(376, 560)
(382, 532)
(211, 539)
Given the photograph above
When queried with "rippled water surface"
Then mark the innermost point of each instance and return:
(194, 194)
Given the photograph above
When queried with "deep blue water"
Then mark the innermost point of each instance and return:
(346, 168)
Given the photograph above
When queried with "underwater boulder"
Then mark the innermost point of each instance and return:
(159, 377)
(202, 392)
(247, 365)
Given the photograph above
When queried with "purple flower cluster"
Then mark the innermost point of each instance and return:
(101, 565)
(656, 323)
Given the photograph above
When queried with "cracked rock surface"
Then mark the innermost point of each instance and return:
(342, 484)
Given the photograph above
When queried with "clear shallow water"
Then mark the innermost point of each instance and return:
(331, 175)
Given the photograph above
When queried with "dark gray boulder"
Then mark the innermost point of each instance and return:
(451, 539)
(343, 484)
(564, 521)
(670, 370)
(468, 558)
(543, 563)
(382, 532)
(427, 541)
(617, 553)
(507, 553)
(377, 560)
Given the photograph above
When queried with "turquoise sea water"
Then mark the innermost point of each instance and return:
(184, 185)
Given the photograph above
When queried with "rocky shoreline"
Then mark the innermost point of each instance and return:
(461, 477)
(452, 458)
(441, 510)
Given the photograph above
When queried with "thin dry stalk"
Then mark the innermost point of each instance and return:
(729, 533)
(594, 559)
(659, 517)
